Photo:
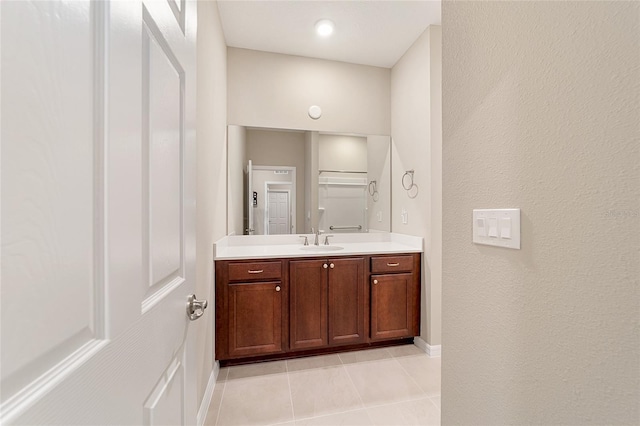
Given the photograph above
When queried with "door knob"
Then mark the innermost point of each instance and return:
(375, 281)
(277, 288)
(195, 307)
(332, 266)
(325, 266)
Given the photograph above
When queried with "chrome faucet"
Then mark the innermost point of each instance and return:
(317, 235)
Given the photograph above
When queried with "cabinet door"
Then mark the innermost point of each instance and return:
(346, 301)
(308, 303)
(392, 304)
(255, 318)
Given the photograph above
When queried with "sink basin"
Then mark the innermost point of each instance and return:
(321, 248)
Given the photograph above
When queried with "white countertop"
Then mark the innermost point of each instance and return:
(273, 246)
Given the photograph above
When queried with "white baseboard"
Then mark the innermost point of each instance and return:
(208, 393)
(433, 351)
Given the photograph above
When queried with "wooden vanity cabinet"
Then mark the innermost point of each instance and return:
(326, 302)
(279, 308)
(395, 296)
(251, 302)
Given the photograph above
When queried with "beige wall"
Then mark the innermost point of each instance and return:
(236, 164)
(416, 113)
(274, 90)
(311, 180)
(379, 169)
(278, 148)
(211, 175)
(541, 107)
(342, 152)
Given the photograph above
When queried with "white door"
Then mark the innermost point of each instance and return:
(98, 211)
(249, 229)
(279, 212)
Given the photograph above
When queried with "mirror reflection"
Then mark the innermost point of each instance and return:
(283, 181)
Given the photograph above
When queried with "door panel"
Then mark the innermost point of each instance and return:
(98, 219)
(163, 79)
(279, 213)
(164, 404)
(51, 240)
(308, 303)
(255, 318)
(283, 213)
(346, 301)
(391, 306)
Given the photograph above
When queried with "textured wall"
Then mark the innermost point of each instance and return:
(212, 173)
(541, 107)
(275, 90)
(416, 114)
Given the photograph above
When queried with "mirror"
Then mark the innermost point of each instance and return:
(284, 181)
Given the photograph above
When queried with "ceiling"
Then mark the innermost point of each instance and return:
(367, 32)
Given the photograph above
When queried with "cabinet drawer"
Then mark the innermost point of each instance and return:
(248, 271)
(402, 263)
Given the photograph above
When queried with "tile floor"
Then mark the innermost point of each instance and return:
(388, 386)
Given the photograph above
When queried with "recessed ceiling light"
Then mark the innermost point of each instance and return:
(324, 27)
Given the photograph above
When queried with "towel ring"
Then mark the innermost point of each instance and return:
(408, 173)
(373, 190)
(372, 187)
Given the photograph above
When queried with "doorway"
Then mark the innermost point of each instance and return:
(266, 179)
(278, 215)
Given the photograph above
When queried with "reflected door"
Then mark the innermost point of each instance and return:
(279, 212)
(98, 212)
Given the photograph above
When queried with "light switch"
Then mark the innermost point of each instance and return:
(505, 228)
(481, 226)
(493, 227)
(497, 227)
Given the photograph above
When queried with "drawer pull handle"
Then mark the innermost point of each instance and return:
(393, 264)
(258, 271)
(277, 288)
(375, 281)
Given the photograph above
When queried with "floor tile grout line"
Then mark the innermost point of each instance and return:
(241, 379)
(354, 385)
(293, 412)
(367, 407)
(424, 393)
(414, 380)
(366, 360)
(434, 403)
(331, 367)
(224, 387)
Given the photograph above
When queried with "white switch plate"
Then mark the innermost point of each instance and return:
(507, 227)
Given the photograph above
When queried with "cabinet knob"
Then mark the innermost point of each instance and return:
(375, 281)
(325, 266)
(332, 266)
(277, 288)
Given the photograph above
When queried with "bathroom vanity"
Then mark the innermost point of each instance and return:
(276, 298)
